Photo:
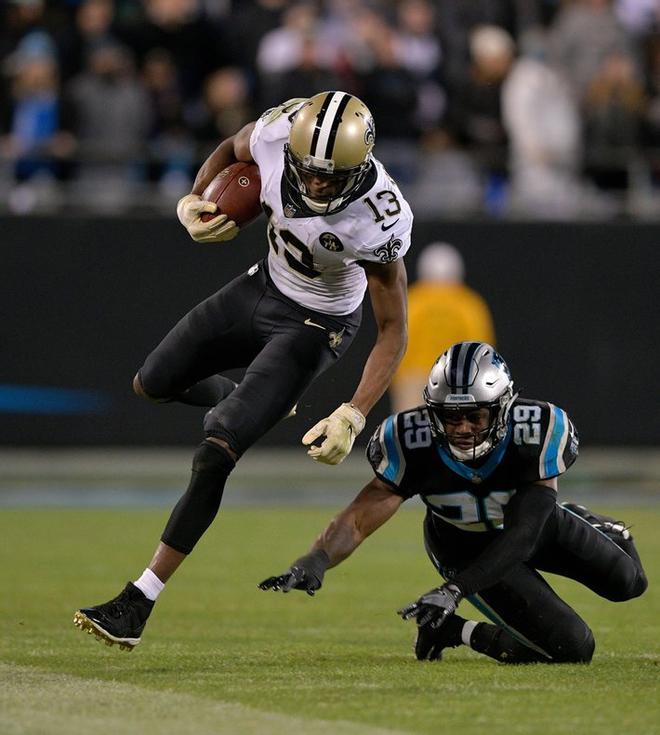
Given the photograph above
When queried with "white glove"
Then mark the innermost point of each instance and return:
(340, 429)
(218, 229)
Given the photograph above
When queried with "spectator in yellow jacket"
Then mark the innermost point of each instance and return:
(442, 310)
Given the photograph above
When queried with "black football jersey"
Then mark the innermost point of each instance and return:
(541, 442)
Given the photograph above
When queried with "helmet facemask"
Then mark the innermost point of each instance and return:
(344, 181)
(483, 440)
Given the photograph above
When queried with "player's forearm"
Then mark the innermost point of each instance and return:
(339, 540)
(388, 294)
(374, 505)
(221, 157)
(380, 367)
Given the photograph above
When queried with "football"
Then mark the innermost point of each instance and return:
(237, 192)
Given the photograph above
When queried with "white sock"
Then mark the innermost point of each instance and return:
(466, 632)
(149, 584)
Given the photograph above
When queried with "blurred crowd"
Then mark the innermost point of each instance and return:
(520, 108)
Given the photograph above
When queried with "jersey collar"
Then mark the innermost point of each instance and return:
(476, 474)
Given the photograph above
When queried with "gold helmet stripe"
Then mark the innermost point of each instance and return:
(327, 123)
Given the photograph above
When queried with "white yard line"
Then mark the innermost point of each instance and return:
(35, 702)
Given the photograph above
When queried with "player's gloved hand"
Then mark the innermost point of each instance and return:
(428, 645)
(305, 574)
(434, 607)
(219, 229)
(339, 429)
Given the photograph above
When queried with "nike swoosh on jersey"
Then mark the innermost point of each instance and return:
(310, 323)
(388, 227)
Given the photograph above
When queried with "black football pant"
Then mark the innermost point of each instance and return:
(532, 623)
(283, 345)
(248, 323)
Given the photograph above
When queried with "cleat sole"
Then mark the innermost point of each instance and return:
(80, 620)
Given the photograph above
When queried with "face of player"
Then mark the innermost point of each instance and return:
(466, 429)
(322, 188)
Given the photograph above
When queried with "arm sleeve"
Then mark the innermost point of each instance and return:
(525, 519)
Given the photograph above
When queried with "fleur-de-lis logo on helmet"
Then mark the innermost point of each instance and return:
(370, 132)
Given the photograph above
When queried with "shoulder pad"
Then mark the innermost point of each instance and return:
(385, 453)
(286, 108)
(545, 436)
(394, 440)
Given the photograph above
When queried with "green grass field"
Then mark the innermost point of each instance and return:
(220, 656)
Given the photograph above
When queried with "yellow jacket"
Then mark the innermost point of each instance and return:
(440, 315)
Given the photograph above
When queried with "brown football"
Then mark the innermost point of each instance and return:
(237, 192)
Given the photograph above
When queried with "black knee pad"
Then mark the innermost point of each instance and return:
(199, 505)
(154, 389)
(211, 457)
(640, 585)
(572, 642)
(213, 427)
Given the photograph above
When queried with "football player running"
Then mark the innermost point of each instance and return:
(485, 462)
(337, 226)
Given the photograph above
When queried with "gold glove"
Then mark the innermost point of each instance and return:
(340, 429)
(219, 229)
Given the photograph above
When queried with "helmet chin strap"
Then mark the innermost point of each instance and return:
(321, 207)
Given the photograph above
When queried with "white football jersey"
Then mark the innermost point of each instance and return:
(314, 259)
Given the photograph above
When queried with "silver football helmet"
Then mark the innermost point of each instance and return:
(470, 375)
(331, 137)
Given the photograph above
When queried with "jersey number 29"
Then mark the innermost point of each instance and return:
(527, 427)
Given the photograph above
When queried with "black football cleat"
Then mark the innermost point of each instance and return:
(431, 642)
(607, 525)
(121, 620)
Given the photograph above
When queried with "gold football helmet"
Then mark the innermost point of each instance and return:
(329, 150)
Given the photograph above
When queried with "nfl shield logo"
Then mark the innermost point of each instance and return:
(289, 210)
